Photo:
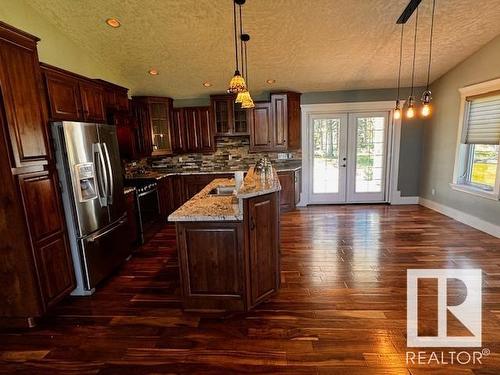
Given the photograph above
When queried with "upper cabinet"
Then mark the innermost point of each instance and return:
(228, 117)
(72, 97)
(192, 130)
(154, 117)
(22, 94)
(275, 125)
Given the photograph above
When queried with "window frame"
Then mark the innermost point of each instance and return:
(463, 154)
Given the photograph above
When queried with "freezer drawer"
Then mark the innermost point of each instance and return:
(104, 251)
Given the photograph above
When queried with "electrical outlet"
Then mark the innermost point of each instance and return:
(230, 157)
(433, 191)
(180, 159)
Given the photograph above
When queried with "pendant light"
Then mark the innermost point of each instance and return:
(397, 110)
(410, 112)
(427, 94)
(237, 83)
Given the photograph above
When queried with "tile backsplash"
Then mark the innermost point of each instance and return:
(232, 153)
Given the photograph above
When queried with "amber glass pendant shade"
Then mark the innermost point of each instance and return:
(237, 84)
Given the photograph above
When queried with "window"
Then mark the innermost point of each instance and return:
(477, 166)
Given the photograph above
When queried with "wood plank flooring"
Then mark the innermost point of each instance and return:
(341, 308)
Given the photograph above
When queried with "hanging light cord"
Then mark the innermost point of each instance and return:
(414, 54)
(241, 45)
(400, 57)
(235, 36)
(246, 63)
(430, 44)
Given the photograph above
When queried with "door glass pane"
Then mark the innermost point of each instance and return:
(326, 155)
(370, 146)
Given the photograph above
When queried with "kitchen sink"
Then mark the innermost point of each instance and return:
(222, 190)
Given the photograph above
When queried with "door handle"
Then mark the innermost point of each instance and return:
(252, 223)
(110, 175)
(107, 231)
(103, 182)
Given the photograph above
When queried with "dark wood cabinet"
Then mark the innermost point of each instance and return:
(263, 246)
(154, 116)
(231, 265)
(36, 269)
(179, 133)
(275, 125)
(21, 90)
(64, 96)
(115, 97)
(260, 127)
(92, 102)
(72, 97)
(192, 130)
(227, 116)
(290, 189)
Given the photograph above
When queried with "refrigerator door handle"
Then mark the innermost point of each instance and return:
(95, 237)
(110, 174)
(103, 182)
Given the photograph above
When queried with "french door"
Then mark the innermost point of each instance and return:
(348, 157)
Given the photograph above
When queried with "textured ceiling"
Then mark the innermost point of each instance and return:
(305, 45)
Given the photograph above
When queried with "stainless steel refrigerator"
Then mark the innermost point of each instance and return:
(89, 167)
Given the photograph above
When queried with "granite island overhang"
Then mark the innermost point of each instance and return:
(228, 244)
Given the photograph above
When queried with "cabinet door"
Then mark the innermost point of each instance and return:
(279, 122)
(294, 121)
(191, 117)
(46, 225)
(179, 136)
(159, 113)
(64, 97)
(263, 219)
(241, 118)
(205, 130)
(222, 114)
(92, 102)
(140, 112)
(260, 127)
(20, 86)
(287, 193)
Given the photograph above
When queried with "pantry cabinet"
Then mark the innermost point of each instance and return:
(35, 260)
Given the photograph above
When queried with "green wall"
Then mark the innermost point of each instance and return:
(411, 130)
(55, 48)
(440, 135)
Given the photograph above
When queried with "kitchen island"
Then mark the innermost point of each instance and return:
(228, 244)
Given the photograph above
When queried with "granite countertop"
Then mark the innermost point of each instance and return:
(206, 207)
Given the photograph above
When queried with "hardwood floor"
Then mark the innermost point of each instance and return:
(341, 308)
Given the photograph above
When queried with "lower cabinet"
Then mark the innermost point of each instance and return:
(290, 189)
(45, 219)
(231, 266)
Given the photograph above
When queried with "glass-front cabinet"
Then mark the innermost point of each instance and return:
(153, 115)
(229, 118)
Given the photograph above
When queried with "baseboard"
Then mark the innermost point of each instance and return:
(463, 217)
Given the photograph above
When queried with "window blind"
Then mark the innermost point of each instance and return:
(483, 120)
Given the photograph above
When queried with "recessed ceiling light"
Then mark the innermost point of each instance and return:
(113, 22)
(271, 81)
(153, 72)
(207, 84)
